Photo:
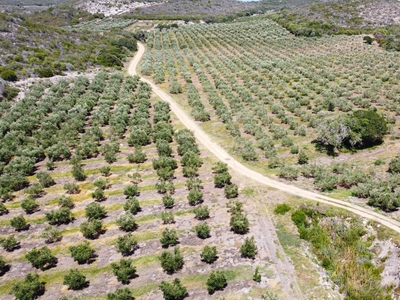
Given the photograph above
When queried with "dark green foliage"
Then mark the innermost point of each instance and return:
(163, 148)
(281, 209)
(65, 201)
(195, 196)
(216, 281)
(299, 218)
(121, 294)
(74, 279)
(201, 212)
(249, 248)
(203, 230)
(132, 205)
(29, 205)
(19, 223)
(94, 211)
(168, 201)
(45, 72)
(124, 270)
(394, 165)
(231, 191)
(174, 290)
(51, 234)
(221, 179)
(59, 216)
(78, 173)
(239, 223)
(126, 244)
(209, 254)
(127, 222)
(8, 75)
(91, 229)
(105, 171)
(45, 179)
(303, 158)
(98, 194)
(36, 190)
(29, 288)
(257, 275)
(9, 243)
(370, 125)
(41, 258)
(220, 168)
(82, 253)
(72, 188)
(3, 265)
(131, 190)
(138, 156)
(367, 39)
(169, 237)
(171, 261)
(3, 209)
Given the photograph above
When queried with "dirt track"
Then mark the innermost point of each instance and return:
(240, 168)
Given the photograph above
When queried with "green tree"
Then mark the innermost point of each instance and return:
(98, 194)
(281, 209)
(171, 261)
(167, 217)
(239, 223)
(303, 158)
(216, 281)
(209, 254)
(174, 290)
(132, 205)
(371, 126)
(94, 211)
(131, 190)
(394, 165)
(29, 205)
(3, 209)
(82, 253)
(203, 230)
(105, 171)
(3, 265)
(78, 173)
(126, 244)
(249, 248)
(59, 216)
(231, 191)
(168, 201)
(221, 179)
(65, 201)
(45, 179)
(299, 218)
(127, 222)
(72, 188)
(195, 196)
(124, 270)
(51, 234)
(257, 275)
(169, 237)
(29, 288)
(121, 294)
(74, 279)
(9, 243)
(19, 223)
(41, 258)
(91, 229)
(201, 212)
(220, 167)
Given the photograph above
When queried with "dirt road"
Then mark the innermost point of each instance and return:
(240, 168)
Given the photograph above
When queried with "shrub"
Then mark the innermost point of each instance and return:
(299, 218)
(235, 207)
(394, 166)
(94, 211)
(74, 279)
(221, 179)
(201, 212)
(45, 72)
(36, 190)
(171, 261)
(3, 265)
(71, 188)
(193, 183)
(281, 209)
(137, 157)
(257, 275)
(288, 172)
(29, 288)
(216, 281)
(303, 158)
(169, 237)
(29, 205)
(82, 253)
(8, 75)
(174, 290)
(132, 205)
(19, 223)
(220, 167)
(195, 196)
(239, 223)
(51, 234)
(78, 173)
(231, 191)
(209, 254)
(131, 190)
(3, 209)
(59, 216)
(105, 171)
(45, 179)
(249, 248)
(91, 229)
(167, 217)
(98, 194)
(124, 270)
(126, 244)
(367, 39)
(168, 201)
(9, 243)
(120, 294)
(203, 230)
(127, 222)
(65, 201)
(41, 258)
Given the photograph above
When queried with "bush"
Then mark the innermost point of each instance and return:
(203, 230)
(249, 248)
(288, 172)
(394, 166)
(168, 201)
(82, 253)
(29, 205)
(216, 281)
(91, 229)
(231, 191)
(120, 294)
(45, 179)
(30, 288)
(8, 75)
(131, 190)
(74, 279)
(281, 209)
(105, 171)
(367, 39)
(94, 211)
(19, 223)
(239, 223)
(78, 173)
(71, 188)
(220, 167)
(171, 261)
(3, 265)
(169, 238)
(45, 72)
(174, 290)
(209, 254)
(41, 258)
(127, 222)
(59, 216)
(65, 201)
(98, 194)
(303, 158)
(221, 179)
(299, 218)
(195, 196)
(126, 244)
(9, 243)
(167, 217)
(202, 212)
(51, 234)
(3, 209)
(257, 275)
(124, 270)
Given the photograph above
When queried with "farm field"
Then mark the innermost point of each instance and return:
(270, 97)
